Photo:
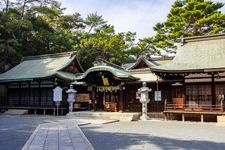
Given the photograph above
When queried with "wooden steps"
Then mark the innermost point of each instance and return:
(16, 112)
(221, 120)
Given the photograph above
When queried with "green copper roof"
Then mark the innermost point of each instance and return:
(197, 54)
(147, 62)
(115, 71)
(66, 75)
(40, 67)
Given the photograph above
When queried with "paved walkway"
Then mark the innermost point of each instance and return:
(62, 135)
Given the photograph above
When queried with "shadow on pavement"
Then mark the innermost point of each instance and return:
(116, 141)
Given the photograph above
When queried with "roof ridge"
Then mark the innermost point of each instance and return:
(102, 62)
(204, 37)
(45, 56)
(161, 58)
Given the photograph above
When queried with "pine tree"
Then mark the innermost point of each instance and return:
(189, 18)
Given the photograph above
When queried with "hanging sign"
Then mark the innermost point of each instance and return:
(107, 88)
(105, 80)
(138, 95)
(158, 95)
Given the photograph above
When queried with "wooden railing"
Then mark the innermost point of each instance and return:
(194, 108)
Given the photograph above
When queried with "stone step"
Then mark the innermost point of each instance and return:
(159, 115)
(105, 115)
(16, 112)
(121, 116)
(221, 120)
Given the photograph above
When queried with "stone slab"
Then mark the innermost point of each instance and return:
(64, 135)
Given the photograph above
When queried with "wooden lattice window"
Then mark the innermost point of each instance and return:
(198, 94)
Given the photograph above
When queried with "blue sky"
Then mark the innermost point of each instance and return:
(126, 15)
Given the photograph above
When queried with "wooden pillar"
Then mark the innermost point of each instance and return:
(165, 117)
(20, 91)
(213, 90)
(54, 111)
(121, 101)
(221, 106)
(93, 100)
(183, 117)
(29, 92)
(39, 93)
(184, 92)
(202, 118)
(7, 91)
(165, 105)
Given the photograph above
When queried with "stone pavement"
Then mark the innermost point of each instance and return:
(64, 134)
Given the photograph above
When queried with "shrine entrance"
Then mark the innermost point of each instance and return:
(108, 98)
(106, 82)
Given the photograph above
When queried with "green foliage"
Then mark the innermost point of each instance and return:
(189, 18)
(104, 43)
(35, 27)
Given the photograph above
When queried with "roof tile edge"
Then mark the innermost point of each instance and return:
(45, 56)
(204, 37)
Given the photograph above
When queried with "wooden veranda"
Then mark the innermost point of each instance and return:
(192, 110)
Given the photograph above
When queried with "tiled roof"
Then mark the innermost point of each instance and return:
(197, 54)
(41, 66)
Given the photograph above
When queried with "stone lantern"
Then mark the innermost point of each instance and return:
(71, 97)
(144, 99)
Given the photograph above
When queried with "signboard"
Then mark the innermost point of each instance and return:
(57, 94)
(83, 97)
(158, 96)
(138, 95)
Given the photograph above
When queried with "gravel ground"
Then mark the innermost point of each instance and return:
(156, 135)
(15, 130)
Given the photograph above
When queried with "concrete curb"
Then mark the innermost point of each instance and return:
(85, 138)
(31, 138)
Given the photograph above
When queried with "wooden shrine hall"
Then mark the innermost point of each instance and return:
(114, 88)
(105, 83)
(30, 84)
(199, 68)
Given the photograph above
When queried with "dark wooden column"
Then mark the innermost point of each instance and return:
(93, 100)
(184, 91)
(121, 101)
(39, 93)
(213, 90)
(29, 92)
(20, 91)
(7, 91)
